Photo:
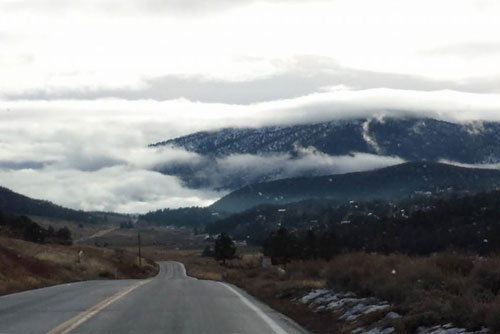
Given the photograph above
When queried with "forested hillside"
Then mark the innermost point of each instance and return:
(409, 138)
(418, 226)
(391, 183)
(23, 205)
(192, 217)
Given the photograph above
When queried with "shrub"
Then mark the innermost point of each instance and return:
(452, 263)
(207, 251)
(492, 316)
(306, 269)
(106, 274)
(487, 279)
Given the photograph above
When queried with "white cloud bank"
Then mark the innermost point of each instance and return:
(309, 162)
(118, 189)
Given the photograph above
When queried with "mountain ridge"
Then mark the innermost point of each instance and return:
(408, 138)
(388, 183)
(222, 154)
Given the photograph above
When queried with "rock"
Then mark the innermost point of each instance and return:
(379, 330)
(281, 273)
(313, 295)
(392, 315)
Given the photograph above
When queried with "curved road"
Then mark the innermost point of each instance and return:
(171, 302)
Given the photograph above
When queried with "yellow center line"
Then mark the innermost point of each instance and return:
(79, 319)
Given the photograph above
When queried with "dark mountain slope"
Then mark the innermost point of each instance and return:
(411, 139)
(391, 183)
(23, 205)
(336, 138)
(190, 217)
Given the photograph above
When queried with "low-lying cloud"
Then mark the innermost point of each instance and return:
(236, 170)
(300, 76)
(119, 189)
(309, 161)
(93, 154)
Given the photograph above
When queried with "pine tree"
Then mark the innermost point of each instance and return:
(225, 249)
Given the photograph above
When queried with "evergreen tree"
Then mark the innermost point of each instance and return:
(281, 246)
(33, 232)
(64, 235)
(225, 249)
(311, 245)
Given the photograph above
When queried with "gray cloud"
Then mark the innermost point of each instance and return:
(307, 75)
(21, 165)
(236, 170)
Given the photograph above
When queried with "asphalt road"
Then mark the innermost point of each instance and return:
(168, 303)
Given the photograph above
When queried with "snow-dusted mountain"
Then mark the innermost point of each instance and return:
(410, 139)
(312, 149)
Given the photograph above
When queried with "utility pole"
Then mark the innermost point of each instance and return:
(139, 244)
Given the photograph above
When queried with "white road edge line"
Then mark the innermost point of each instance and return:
(270, 322)
(183, 269)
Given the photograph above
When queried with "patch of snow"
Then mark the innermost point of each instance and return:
(325, 299)
(340, 303)
(392, 315)
(368, 139)
(349, 307)
(313, 295)
(358, 310)
(447, 329)
(379, 330)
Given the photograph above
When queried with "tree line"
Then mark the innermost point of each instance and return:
(470, 224)
(22, 227)
(192, 217)
(417, 226)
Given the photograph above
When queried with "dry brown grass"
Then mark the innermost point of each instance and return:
(25, 265)
(447, 287)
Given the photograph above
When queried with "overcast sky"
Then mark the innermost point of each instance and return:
(87, 84)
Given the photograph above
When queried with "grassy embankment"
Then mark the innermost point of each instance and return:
(447, 287)
(26, 265)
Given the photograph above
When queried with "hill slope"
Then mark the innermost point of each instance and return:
(191, 217)
(23, 205)
(389, 183)
(26, 265)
